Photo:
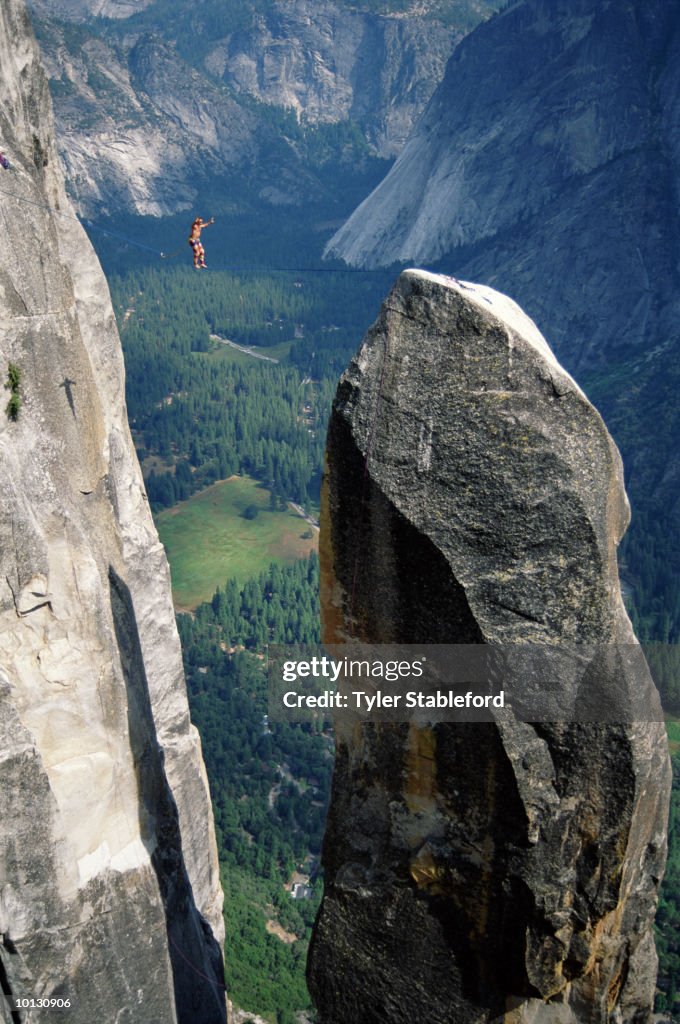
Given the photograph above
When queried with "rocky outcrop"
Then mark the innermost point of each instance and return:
(109, 886)
(481, 871)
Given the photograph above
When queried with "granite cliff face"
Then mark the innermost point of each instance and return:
(481, 871)
(109, 887)
(547, 164)
(80, 10)
(140, 130)
(331, 65)
(152, 113)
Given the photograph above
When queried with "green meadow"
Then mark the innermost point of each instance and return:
(209, 540)
(221, 351)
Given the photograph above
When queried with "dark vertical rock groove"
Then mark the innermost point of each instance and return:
(195, 956)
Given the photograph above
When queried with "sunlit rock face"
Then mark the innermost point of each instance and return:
(331, 64)
(547, 162)
(148, 125)
(489, 870)
(109, 886)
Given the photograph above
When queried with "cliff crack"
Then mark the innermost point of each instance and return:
(22, 612)
(14, 596)
(400, 312)
(517, 611)
(35, 608)
(14, 1015)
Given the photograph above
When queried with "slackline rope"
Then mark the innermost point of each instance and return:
(165, 256)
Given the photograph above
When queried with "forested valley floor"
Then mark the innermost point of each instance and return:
(202, 411)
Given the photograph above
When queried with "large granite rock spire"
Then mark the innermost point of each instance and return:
(109, 887)
(480, 871)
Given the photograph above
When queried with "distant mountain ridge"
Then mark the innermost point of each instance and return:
(154, 100)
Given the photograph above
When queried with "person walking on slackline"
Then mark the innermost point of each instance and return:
(195, 241)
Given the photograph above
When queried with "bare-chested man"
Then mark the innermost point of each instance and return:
(195, 241)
